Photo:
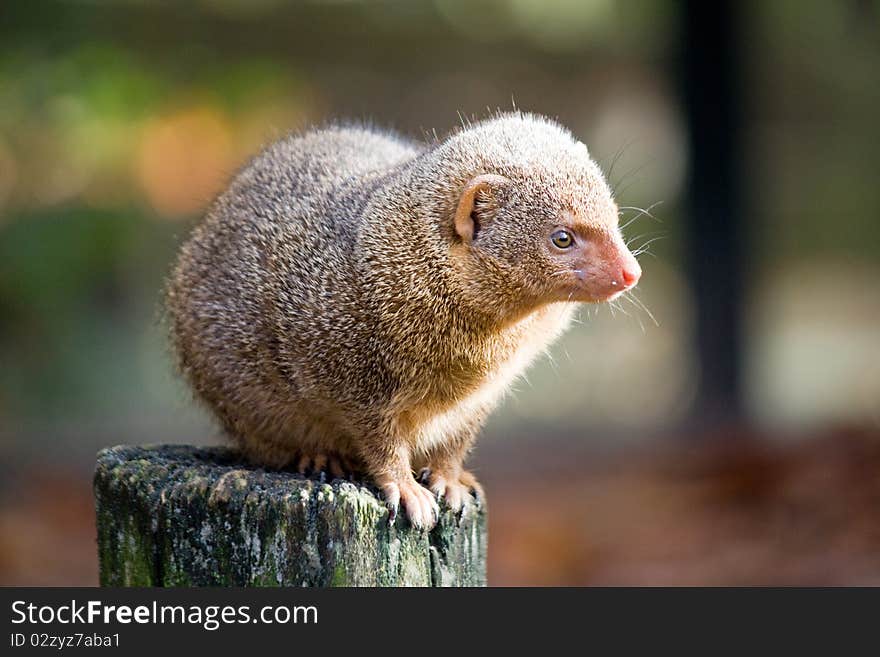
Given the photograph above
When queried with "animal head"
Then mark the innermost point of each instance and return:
(533, 217)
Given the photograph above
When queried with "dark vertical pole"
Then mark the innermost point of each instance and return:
(710, 60)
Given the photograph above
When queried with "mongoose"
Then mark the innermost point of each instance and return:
(358, 301)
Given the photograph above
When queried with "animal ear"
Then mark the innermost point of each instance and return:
(478, 201)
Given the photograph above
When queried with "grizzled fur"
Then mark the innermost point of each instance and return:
(326, 307)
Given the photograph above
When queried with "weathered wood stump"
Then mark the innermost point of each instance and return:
(186, 516)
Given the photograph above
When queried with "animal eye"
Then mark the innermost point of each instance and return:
(562, 239)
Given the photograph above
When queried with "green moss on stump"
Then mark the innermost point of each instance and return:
(175, 515)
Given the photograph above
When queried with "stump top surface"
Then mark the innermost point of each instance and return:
(224, 470)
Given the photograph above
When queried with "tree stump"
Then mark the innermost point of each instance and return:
(176, 515)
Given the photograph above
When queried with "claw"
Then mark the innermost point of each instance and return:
(477, 497)
(392, 513)
(392, 500)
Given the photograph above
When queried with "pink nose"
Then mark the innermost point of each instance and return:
(630, 273)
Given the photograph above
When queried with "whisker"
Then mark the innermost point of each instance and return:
(628, 223)
(552, 361)
(638, 319)
(641, 325)
(644, 247)
(617, 306)
(652, 240)
(623, 310)
(652, 233)
(631, 173)
(641, 304)
(643, 211)
(617, 156)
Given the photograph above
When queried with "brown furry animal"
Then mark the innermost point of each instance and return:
(357, 300)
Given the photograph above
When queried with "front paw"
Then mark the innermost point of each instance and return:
(454, 488)
(421, 507)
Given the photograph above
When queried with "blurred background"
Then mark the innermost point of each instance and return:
(724, 431)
